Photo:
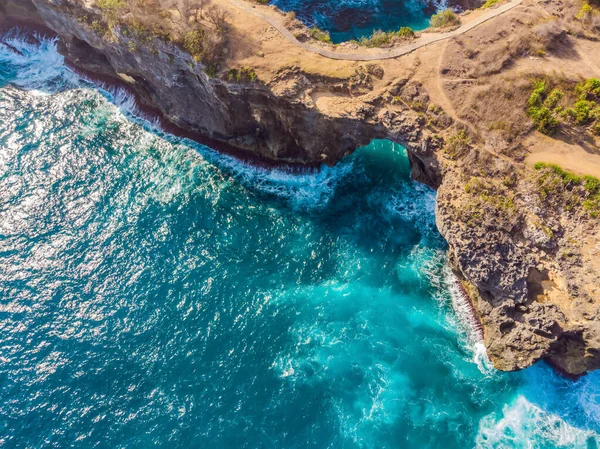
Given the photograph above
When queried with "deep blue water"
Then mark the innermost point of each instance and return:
(352, 19)
(154, 293)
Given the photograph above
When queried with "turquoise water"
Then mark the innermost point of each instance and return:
(154, 293)
(352, 19)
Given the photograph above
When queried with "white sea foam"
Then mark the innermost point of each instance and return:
(525, 425)
(589, 397)
(304, 191)
(39, 66)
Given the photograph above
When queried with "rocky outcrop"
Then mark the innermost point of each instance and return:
(534, 292)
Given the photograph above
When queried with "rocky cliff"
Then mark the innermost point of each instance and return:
(528, 264)
(270, 121)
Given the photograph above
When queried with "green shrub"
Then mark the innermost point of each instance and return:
(489, 4)
(248, 74)
(553, 99)
(377, 39)
(444, 18)
(380, 38)
(111, 9)
(245, 74)
(538, 95)
(585, 13)
(320, 35)
(592, 185)
(585, 190)
(544, 108)
(581, 112)
(99, 27)
(568, 178)
(210, 70)
(457, 144)
(592, 207)
(405, 33)
(193, 43)
(541, 105)
(589, 89)
(544, 119)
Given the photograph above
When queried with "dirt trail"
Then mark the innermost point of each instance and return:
(423, 40)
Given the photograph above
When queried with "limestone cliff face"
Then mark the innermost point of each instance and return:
(248, 117)
(533, 282)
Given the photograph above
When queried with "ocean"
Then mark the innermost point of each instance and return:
(352, 19)
(156, 293)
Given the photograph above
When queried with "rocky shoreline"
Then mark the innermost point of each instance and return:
(532, 303)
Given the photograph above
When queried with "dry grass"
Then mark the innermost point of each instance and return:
(198, 26)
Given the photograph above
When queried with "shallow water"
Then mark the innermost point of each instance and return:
(156, 293)
(352, 19)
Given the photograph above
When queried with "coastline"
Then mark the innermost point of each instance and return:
(30, 29)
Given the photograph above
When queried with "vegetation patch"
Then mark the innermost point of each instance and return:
(320, 35)
(381, 38)
(196, 26)
(111, 9)
(443, 19)
(572, 191)
(243, 75)
(457, 145)
(566, 107)
(489, 4)
(489, 202)
(586, 13)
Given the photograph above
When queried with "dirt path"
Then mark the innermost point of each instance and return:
(423, 40)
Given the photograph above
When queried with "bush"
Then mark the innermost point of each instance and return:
(585, 190)
(380, 38)
(581, 112)
(320, 35)
(99, 27)
(377, 39)
(541, 105)
(544, 119)
(544, 108)
(245, 74)
(553, 99)
(585, 13)
(193, 43)
(405, 33)
(444, 18)
(111, 9)
(458, 144)
(589, 89)
(489, 4)
(538, 95)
